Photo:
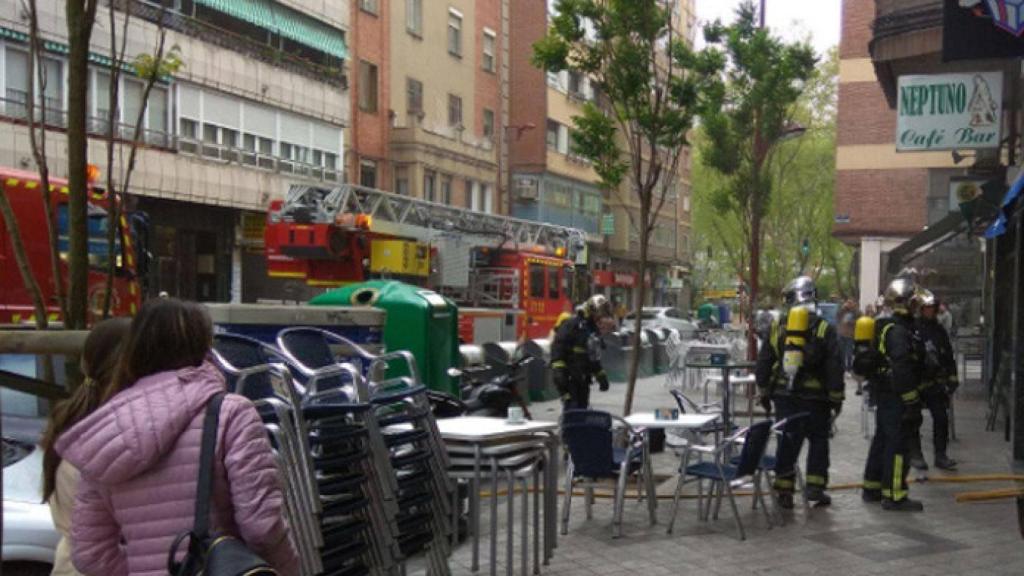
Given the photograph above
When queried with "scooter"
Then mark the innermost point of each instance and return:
(481, 394)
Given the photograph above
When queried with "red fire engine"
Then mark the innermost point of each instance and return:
(491, 263)
(24, 191)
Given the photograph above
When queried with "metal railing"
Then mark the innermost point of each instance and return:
(178, 22)
(255, 159)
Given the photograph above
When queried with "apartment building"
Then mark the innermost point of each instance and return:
(550, 183)
(427, 104)
(261, 102)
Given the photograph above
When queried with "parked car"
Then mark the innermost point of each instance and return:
(663, 317)
(29, 537)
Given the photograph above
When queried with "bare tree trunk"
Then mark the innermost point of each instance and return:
(81, 16)
(37, 141)
(755, 273)
(21, 258)
(117, 56)
(641, 293)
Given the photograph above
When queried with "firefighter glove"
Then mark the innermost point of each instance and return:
(602, 381)
(561, 380)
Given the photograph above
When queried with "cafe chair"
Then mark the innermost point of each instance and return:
(722, 474)
(588, 437)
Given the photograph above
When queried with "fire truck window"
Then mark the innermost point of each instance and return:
(97, 236)
(567, 279)
(536, 281)
(553, 283)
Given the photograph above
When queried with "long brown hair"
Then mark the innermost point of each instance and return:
(167, 334)
(99, 358)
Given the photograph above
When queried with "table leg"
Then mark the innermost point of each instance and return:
(494, 517)
(551, 498)
(652, 500)
(474, 508)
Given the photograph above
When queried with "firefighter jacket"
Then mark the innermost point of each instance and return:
(901, 358)
(820, 377)
(571, 349)
(939, 366)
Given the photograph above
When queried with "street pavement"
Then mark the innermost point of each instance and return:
(849, 537)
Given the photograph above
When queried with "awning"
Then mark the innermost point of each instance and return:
(285, 21)
(313, 33)
(972, 218)
(998, 227)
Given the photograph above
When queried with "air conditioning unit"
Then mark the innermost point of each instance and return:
(526, 189)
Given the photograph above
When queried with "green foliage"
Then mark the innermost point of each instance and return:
(149, 67)
(802, 175)
(651, 82)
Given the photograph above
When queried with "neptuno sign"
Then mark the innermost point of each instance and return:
(949, 111)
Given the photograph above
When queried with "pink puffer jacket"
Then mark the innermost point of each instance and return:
(139, 459)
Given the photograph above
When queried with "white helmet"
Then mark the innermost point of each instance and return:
(899, 295)
(799, 291)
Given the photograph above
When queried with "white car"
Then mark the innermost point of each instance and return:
(663, 317)
(29, 537)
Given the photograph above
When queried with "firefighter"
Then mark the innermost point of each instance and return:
(574, 352)
(893, 374)
(938, 382)
(800, 369)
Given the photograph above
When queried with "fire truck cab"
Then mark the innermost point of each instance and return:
(24, 192)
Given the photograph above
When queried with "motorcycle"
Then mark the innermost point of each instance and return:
(482, 393)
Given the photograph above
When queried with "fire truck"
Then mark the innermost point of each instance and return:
(488, 264)
(24, 191)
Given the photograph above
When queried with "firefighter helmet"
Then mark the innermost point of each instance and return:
(924, 298)
(597, 306)
(899, 295)
(799, 291)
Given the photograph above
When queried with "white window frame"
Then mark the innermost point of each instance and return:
(492, 64)
(370, 6)
(414, 18)
(455, 17)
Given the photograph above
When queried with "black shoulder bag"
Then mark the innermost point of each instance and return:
(208, 555)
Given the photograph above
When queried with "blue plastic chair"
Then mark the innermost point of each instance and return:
(587, 435)
(721, 475)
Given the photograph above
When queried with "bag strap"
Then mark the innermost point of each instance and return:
(204, 486)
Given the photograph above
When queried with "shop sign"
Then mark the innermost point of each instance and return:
(603, 278)
(627, 279)
(949, 111)
(253, 225)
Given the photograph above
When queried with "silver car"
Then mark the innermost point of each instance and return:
(29, 537)
(663, 317)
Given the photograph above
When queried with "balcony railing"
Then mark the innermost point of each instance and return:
(255, 159)
(334, 76)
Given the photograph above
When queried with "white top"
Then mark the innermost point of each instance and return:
(685, 421)
(733, 378)
(483, 428)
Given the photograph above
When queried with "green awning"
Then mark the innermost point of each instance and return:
(285, 21)
(313, 33)
(256, 12)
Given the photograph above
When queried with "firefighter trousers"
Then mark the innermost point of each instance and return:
(936, 400)
(815, 429)
(888, 463)
(578, 389)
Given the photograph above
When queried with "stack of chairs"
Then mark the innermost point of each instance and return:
(408, 455)
(323, 438)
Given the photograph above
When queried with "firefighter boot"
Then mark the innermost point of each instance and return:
(945, 462)
(904, 505)
(786, 500)
(917, 463)
(817, 495)
(871, 496)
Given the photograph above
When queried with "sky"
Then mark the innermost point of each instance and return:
(793, 19)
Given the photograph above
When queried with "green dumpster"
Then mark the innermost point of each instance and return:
(418, 320)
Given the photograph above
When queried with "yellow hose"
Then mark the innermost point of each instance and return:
(963, 497)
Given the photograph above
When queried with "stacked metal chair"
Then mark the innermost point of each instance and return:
(335, 499)
(408, 456)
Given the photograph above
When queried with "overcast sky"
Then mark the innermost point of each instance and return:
(793, 19)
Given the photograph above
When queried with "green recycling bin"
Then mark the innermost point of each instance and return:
(418, 320)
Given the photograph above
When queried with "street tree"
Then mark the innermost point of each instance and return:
(650, 84)
(744, 118)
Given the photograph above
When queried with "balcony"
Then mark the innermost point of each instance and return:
(906, 28)
(417, 134)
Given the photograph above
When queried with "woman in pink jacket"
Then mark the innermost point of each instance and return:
(138, 455)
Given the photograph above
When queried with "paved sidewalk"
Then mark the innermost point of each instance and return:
(849, 538)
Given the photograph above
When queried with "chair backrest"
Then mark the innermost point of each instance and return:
(755, 442)
(241, 353)
(310, 349)
(588, 436)
(686, 406)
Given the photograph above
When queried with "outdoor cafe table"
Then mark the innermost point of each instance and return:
(726, 369)
(479, 431)
(647, 421)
